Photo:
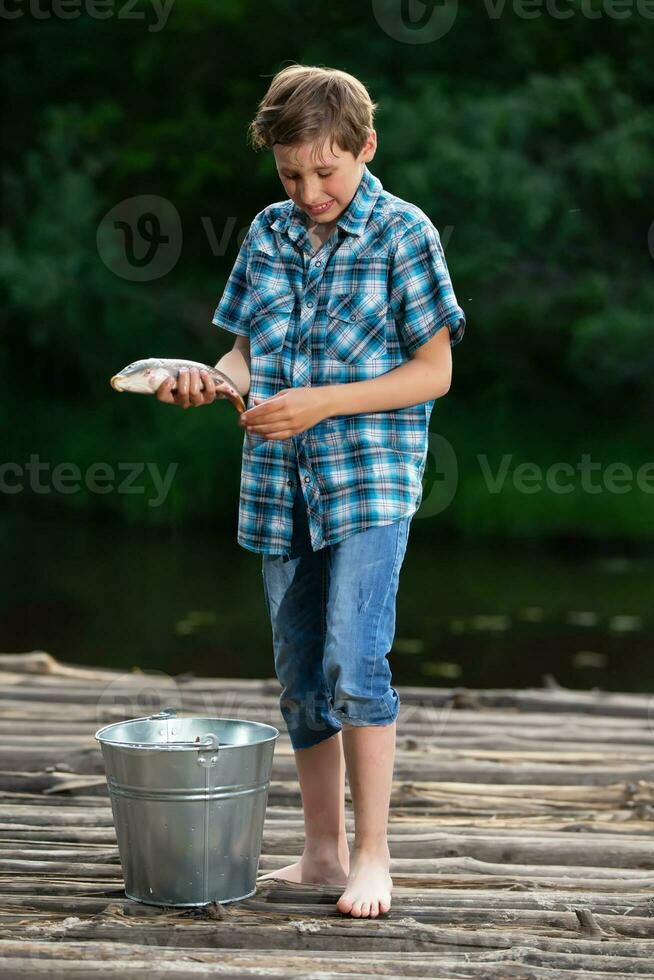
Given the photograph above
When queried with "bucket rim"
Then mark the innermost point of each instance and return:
(165, 746)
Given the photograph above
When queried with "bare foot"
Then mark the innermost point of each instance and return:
(311, 871)
(369, 884)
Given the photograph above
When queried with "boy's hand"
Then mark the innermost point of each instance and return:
(285, 414)
(188, 389)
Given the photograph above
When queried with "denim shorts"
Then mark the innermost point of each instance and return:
(332, 613)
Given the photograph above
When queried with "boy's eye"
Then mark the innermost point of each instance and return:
(293, 176)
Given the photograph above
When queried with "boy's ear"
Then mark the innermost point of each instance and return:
(369, 147)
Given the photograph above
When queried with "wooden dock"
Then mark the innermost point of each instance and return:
(520, 834)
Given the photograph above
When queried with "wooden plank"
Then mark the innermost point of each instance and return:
(520, 835)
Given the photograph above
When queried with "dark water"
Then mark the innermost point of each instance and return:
(496, 616)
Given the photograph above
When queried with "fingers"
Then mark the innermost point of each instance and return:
(163, 392)
(280, 434)
(180, 394)
(193, 388)
(272, 423)
(209, 393)
(271, 416)
(188, 388)
(196, 397)
(278, 431)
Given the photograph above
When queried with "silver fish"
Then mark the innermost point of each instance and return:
(144, 377)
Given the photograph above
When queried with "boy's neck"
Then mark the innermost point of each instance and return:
(319, 233)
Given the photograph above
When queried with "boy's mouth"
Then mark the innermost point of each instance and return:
(320, 208)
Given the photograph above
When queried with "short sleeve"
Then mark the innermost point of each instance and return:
(421, 294)
(233, 310)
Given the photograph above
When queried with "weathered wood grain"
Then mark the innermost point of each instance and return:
(520, 833)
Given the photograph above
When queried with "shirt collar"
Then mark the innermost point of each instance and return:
(353, 220)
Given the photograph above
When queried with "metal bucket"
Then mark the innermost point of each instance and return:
(189, 798)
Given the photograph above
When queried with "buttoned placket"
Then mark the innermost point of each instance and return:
(314, 268)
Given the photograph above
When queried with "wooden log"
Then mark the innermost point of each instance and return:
(458, 725)
(88, 761)
(184, 969)
(39, 662)
(62, 895)
(233, 930)
(595, 926)
(414, 699)
(569, 851)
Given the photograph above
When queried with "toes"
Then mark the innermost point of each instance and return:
(365, 908)
(374, 910)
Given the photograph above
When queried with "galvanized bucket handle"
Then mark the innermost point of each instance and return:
(165, 713)
(208, 741)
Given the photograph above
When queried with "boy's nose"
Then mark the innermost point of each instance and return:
(310, 195)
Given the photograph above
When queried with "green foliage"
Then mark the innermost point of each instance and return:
(527, 142)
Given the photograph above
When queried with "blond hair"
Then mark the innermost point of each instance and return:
(306, 103)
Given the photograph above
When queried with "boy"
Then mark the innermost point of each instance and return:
(338, 296)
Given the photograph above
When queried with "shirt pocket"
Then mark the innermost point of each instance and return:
(271, 314)
(356, 326)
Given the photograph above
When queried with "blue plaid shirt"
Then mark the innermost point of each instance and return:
(358, 307)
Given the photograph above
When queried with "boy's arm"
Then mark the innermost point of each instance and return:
(233, 314)
(236, 364)
(426, 376)
(429, 322)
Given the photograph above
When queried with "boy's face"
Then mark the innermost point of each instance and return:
(323, 183)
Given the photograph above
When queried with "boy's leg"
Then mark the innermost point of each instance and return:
(369, 756)
(321, 772)
(364, 578)
(294, 590)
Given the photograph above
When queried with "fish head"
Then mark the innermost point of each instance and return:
(141, 377)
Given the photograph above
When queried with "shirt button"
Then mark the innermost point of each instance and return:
(307, 479)
(318, 262)
(310, 304)
(290, 483)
